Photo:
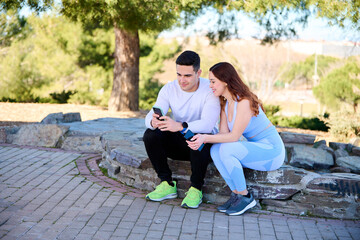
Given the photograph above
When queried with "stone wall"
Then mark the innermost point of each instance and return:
(320, 178)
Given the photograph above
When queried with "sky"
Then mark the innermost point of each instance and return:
(317, 29)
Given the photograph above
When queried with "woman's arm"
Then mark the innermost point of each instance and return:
(223, 127)
(242, 119)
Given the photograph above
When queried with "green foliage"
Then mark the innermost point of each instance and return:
(271, 110)
(153, 53)
(313, 123)
(62, 97)
(342, 85)
(43, 61)
(12, 27)
(304, 71)
(344, 125)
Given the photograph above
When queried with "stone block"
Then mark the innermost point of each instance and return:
(355, 151)
(310, 158)
(340, 170)
(82, 143)
(341, 153)
(71, 117)
(325, 206)
(262, 191)
(2, 135)
(336, 145)
(351, 162)
(286, 175)
(335, 185)
(289, 137)
(53, 118)
(40, 135)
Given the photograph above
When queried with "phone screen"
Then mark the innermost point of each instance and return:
(158, 112)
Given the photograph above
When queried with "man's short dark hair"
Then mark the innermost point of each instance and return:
(189, 58)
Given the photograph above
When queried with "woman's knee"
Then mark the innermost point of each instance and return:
(233, 149)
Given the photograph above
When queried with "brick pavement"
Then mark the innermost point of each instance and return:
(55, 194)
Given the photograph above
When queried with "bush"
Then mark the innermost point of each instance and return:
(314, 123)
(271, 110)
(344, 125)
(301, 122)
(62, 97)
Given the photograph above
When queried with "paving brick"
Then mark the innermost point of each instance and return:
(41, 197)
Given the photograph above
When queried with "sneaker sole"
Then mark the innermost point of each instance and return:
(224, 210)
(251, 205)
(170, 196)
(186, 206)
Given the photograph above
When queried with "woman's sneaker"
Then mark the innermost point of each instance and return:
(193, 198)
(163, 191)
(241, 205)
(225, 206)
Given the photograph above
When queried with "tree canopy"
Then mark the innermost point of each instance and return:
(342, 85)
(128, 17)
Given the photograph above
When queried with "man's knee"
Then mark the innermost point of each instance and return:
(150, 135)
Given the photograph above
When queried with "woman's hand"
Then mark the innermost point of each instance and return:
(196, 141)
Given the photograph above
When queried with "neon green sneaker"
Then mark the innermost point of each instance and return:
(163, 191)
(193, 198)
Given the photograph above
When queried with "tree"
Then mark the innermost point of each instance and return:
(128, 17)
(303, 72)
(342, 85)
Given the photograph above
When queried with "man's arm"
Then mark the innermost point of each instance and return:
(162, 102)
(209, 116)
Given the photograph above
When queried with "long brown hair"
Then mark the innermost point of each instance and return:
(226, 73)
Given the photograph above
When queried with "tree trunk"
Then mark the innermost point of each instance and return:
(125, 90)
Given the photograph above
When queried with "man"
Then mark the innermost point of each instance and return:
(195, 108)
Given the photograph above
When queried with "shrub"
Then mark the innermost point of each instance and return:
(344, 125)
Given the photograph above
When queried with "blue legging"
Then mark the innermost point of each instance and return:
(264, 152)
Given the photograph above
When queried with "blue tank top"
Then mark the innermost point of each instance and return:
(256, 125)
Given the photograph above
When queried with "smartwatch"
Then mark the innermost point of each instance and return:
(185, 126)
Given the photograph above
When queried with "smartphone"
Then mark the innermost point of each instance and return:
(188, 135)
(158, 111)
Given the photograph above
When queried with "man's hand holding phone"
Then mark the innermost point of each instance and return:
(164, 123)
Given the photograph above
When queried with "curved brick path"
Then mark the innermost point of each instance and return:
(55, 194)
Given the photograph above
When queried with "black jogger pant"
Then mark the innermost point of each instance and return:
(161, 145)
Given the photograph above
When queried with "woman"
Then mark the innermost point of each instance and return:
(241, 114)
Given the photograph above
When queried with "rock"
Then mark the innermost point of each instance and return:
(355, 151)
(336, 145)
(340, 170)
(341, 153)
(335, 185)
(2, 135)
(39, 135)
(53, 118)
(327, 207)
(310, 158)
(286, 175)
(319, 143)
(71, 117)
(82, 143)
(289, 137)
(351, 162)
(326, 148)
(288, 206)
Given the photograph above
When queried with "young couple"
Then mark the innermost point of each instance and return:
(196, 104)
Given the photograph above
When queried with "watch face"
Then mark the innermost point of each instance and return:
(184, 124)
